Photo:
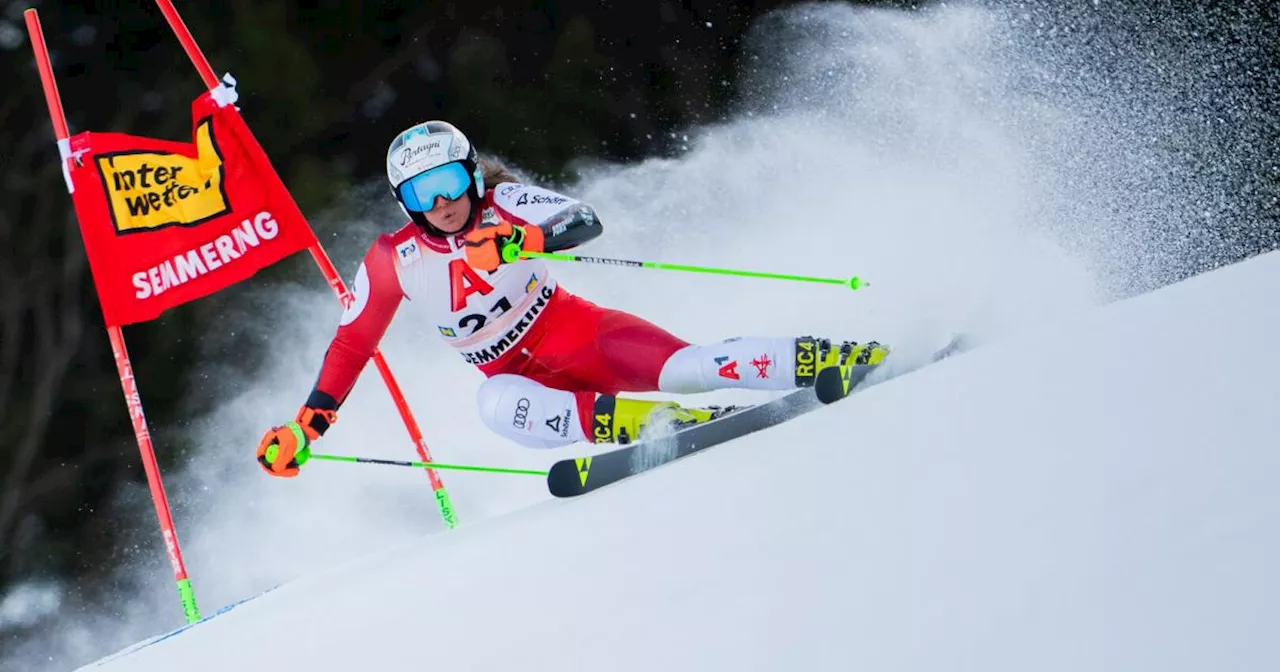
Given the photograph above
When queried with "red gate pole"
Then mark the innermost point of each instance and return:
(127, 382)
(331, 275)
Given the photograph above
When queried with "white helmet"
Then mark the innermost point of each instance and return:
(424, 148)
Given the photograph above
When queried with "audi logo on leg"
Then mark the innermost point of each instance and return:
(521, 418)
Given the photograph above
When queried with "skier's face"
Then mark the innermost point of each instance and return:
(450, 216)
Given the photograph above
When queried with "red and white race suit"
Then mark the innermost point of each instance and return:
(547, 352)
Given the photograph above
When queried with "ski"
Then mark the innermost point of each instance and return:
(579, 475)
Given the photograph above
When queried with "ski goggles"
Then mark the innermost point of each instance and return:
(419, 192)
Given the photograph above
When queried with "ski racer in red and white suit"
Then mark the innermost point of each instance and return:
(554, 361)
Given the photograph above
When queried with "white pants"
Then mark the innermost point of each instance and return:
(536, 416)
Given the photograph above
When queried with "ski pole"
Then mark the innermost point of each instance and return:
(512, 252)
(427, 465)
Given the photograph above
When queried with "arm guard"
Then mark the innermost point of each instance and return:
(570, 228)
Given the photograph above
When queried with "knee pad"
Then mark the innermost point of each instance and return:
(529, 412)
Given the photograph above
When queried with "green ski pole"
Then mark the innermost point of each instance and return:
(428, 465)
(512, 252)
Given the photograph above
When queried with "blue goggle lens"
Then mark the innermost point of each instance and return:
(420, 191)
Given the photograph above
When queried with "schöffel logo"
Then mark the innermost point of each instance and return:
(536, 199)
(560, 424)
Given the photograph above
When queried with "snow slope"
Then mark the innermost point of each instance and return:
(1095, 495)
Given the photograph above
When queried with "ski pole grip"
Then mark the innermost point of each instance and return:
(511, 252)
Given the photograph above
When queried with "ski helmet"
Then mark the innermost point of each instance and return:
(429, 159)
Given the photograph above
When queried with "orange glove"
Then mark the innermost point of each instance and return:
(489, 247)
(286, 448)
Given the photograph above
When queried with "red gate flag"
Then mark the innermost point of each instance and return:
(165, 222)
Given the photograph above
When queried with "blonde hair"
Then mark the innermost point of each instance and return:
(495, 172)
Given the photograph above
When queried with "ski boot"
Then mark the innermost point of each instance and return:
(620, 420)
(849, 361)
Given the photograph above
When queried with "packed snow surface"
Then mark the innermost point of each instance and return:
(1097, 494)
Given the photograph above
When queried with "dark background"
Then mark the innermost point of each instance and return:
(325, 85)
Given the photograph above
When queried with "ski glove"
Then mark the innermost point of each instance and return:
(284, 449)
(491, 246)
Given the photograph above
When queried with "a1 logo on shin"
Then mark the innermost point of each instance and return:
(728, 368)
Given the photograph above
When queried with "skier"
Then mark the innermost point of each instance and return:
(555, 362)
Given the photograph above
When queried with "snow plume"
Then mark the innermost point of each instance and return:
(1140, 138)
(985, 170)
(27, 603)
